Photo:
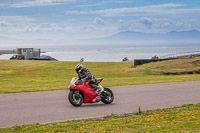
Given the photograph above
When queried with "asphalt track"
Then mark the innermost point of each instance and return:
(53, 106)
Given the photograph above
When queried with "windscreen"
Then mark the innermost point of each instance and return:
(73, 79)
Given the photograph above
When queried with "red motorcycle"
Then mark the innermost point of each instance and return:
(83, 93)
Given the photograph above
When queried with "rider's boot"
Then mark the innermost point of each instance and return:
(99, 89)
(97, 99)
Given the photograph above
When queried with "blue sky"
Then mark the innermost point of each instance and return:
(81, 19)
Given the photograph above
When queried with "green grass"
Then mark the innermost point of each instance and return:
(183, 119)
(26, 76)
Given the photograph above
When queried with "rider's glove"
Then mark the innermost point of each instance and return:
(83, 80)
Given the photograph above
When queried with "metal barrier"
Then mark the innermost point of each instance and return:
(182, 54)
(166, 57)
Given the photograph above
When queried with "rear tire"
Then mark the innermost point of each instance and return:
(75, 98)
(107, 96)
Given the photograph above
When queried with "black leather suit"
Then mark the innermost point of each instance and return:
(85, 74)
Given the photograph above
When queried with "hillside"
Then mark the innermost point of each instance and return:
(25, 76)
(171, 67)
(192, 36)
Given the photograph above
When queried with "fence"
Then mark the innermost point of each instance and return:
(166, 57)
(182, 54)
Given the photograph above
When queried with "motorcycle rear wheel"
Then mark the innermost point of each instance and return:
(75, 98)
(107, 96)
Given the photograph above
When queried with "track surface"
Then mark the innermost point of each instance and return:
(53, 106)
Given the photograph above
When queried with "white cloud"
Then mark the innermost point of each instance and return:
(32, 3)
(154, 25)
(77, 12)
(122, 1)
(124, 25)
(19, 24)
(147, 22)
(24, 28)
(3, 24)
(97, 4)
(99, 21)
(170, 25)
(169, 8)
(17, 19)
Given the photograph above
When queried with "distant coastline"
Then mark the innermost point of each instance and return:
(109, 53)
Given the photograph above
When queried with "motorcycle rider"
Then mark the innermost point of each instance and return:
(84, 74)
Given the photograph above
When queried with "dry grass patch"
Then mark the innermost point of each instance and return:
(23, 76)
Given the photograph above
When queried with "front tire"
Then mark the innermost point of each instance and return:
(75, 98)
(107, 96)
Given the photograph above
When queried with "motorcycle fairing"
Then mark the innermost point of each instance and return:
(87, 91)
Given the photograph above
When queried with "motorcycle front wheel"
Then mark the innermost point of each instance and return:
(107, 96)
(75, 98)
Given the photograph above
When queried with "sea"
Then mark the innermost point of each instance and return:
(110, 52)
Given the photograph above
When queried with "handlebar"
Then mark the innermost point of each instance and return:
(85, 83)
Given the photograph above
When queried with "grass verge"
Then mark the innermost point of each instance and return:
(181, 119)
(27, 76)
